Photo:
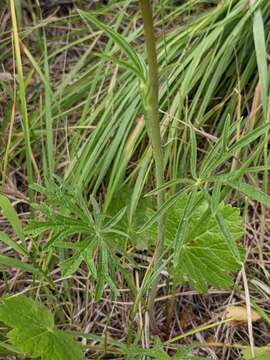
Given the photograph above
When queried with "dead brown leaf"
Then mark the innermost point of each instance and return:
(237, 315)
(186, 317)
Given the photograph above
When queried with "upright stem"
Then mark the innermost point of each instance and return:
(153, 129)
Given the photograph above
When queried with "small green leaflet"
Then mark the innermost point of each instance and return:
(225, 229)
(205, 258)
(183, 353)
(6, 348)
(14, 220)
(11, 215)
(12, 243)
(261, 353)
(142, 212)
(34, 333)
(11, 262)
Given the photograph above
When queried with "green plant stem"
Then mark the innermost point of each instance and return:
(153, 129)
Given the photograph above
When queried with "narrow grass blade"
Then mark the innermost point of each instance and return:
(7, 152)
(48, 111)
(37, 68)
(122, 63)
(193, 156)
(243, 142)
(137, 61)
(168, 184)
(226, 132)
(251, 192)
(22, 95)
(261, 55)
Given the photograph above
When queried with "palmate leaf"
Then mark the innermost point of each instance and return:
(34, 333)
(205, 258)
(90, 236)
